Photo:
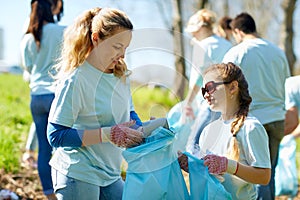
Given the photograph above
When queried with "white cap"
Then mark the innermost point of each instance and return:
(201, 18)
(194, 24)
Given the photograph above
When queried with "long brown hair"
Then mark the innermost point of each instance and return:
(41, 12)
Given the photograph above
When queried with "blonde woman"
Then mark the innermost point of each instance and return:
(89, 117)
(236, 145)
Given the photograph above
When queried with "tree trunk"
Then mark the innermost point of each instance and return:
(180, 79)
(288, 7)
(202, 4)
(226, 8)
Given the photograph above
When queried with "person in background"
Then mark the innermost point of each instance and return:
(29, 156)
(224, 29)
(286, 178)
(57, 9)
(39, 51)
(292, 105)
(89, 119)
(265, 66)
(208, 48)
(234, 147)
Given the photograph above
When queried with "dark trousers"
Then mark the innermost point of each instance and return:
(275, 132)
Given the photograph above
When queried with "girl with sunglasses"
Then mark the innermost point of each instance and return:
(236, 145)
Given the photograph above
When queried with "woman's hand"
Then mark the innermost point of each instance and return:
(124, 136)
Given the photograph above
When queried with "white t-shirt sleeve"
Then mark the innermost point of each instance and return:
(292, 92)
(231, 56)
(28, 51)
(255, 144)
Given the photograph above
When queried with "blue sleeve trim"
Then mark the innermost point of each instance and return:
(134, 116)
(63, 136)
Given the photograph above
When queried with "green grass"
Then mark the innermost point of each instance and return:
(15, 119)
(152, 102)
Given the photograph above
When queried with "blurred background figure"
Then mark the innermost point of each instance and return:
(29, 156)
(286, 176)
(224, 29)
(40, 49)
(292, 105)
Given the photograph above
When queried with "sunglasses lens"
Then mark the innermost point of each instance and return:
(203, 91)
(210, 87)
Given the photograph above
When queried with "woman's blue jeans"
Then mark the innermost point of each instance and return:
(69, 188)
(40, 107)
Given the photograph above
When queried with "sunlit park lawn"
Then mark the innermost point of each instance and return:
(15, 119)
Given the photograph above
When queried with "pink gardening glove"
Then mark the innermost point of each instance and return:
(216, 164)
(124, 136)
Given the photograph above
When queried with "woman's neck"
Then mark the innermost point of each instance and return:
(94, 61)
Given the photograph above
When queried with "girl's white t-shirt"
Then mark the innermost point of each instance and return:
(254, 151)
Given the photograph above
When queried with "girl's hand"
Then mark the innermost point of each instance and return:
(216, 164)
(220, 165)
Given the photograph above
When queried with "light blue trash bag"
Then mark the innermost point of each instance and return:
(175, 114)
(153, 171)
(182, 129)
(203, 185)
(286, 178)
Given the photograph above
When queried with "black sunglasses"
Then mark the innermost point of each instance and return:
(210, 87)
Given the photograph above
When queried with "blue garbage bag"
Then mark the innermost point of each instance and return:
(286, 177)
(175, 114)
(183, 129)
(203, 185)
(153, 171)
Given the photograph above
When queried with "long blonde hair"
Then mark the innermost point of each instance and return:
(230, 72)
(77, 37)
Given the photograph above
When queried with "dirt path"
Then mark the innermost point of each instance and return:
(25, 184)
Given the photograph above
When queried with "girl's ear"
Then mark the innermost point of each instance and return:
(234, 86)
